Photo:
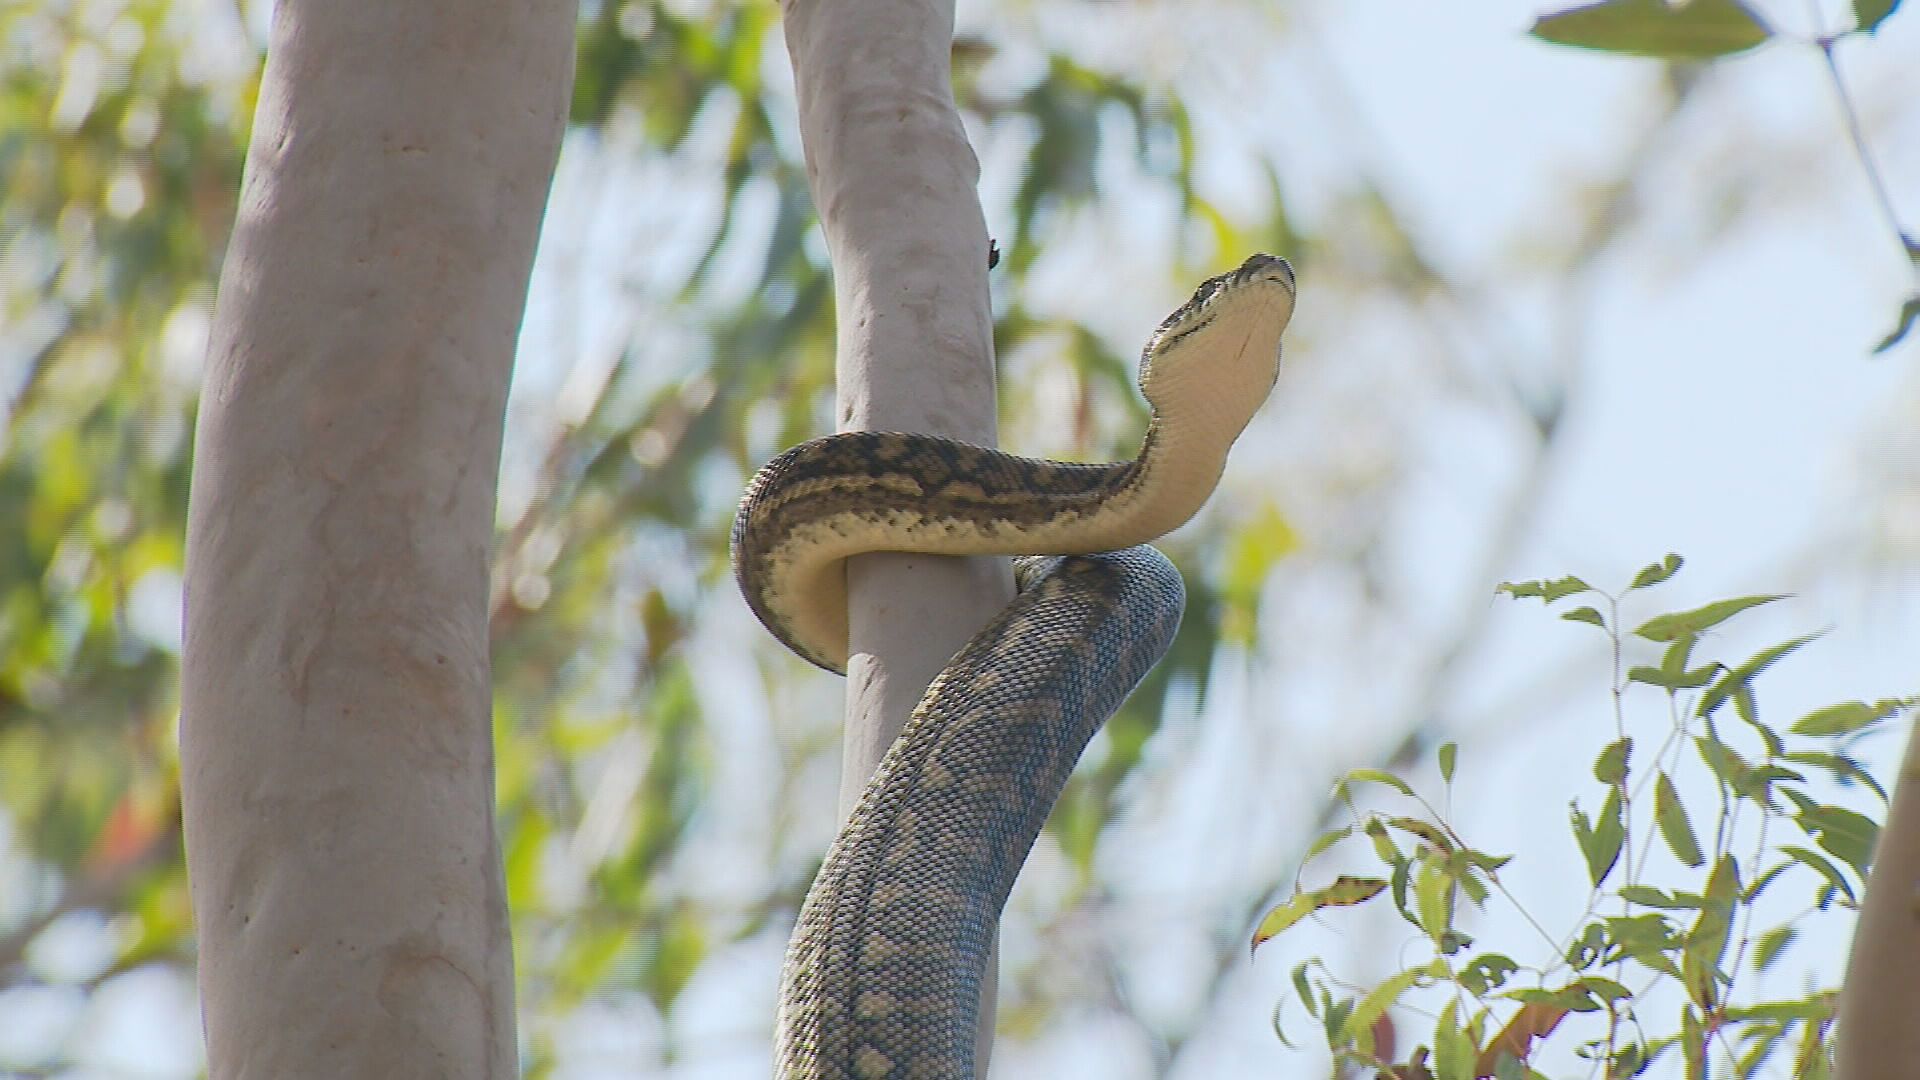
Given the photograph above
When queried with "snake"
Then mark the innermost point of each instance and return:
(881, 979)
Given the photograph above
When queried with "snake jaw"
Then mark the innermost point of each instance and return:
(1213, 361)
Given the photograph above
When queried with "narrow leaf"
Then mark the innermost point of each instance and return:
(1909, 314)
(1699, 30)
(1425, 830)
(1600, 843)
(1845, 770)
(1771, 945)
(1743, 675)
(1326, 840)
(1819, 864)
(1648, 896)
(1611, 766)
(1448, 753)
(1844, 834)
(1673, 680)
(1672, 819)
(1346, 891)
(1845, 718)
(1549, 591)
(1433, 899)
(1869, 14)
(1655, 573)
(1677, 624)
(1369, 1009)
(1585, 615)
(1378, 776)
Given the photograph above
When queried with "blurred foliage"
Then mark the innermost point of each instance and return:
(1699, 30)
(122, 130)
(1664, 959)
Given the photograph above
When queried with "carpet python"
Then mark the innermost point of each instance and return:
(882, 976)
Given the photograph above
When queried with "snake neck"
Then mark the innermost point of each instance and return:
(828, 500)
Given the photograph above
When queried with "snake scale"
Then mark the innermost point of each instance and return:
(882, 977)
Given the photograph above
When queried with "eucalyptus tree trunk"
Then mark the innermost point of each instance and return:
(336, 745)
(1878, 1038)
(893, 179)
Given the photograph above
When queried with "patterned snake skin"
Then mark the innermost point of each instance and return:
(882, 977)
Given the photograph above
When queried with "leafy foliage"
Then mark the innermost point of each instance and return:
(1758, 817)
(122, 130)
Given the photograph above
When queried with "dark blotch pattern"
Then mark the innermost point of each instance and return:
(883, 974)
(876, 473)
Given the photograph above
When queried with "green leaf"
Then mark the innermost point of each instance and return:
(1433, 899)
(1909, 314)
(1326, 840)
(1549, 591)
(1706, 942)
(1610, 767)
(1844, 769)
(1383, 845)
(1648, 896)
(1672, 672)
(1377, 776)
(1759, 884)
(1433, 834)
(1845, 718)
(1448, 753)
(1600, 843)
(1771, 945)
(1672, 627)
(1604, 989)
(1743, 675)
(1845, 834)
(1644, 939)
(1673, 680)
(1359, 1023)
(1728, 766)
(1655, 573)
(1700, 30)
(1869, 14)
(1585, 615)
(1589, 948)
(1302, 987)
(1672, 819)
(1488, 972)
(1819, 864)
(1346, 891)
(1453, 1050)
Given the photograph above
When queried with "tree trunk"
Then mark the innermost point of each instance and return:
(893, 178)
(1877, 1037)
(336, 744)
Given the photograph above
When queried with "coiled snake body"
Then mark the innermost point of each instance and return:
(882, 976)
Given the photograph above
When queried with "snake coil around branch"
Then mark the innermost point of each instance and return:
(882, 977)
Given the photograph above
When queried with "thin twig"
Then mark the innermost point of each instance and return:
(1882, 196)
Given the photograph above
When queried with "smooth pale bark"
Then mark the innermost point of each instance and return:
(893, 178)
(1879, 1032)
(336, 745)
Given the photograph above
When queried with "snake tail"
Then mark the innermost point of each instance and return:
(884, 970)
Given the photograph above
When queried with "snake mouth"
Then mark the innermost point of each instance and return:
(1256, 272)
(1265, 267)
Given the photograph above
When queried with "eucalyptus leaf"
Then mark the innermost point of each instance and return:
(1869, 14)
(1699, 30)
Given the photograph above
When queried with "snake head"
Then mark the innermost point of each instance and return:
(1221, 349)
